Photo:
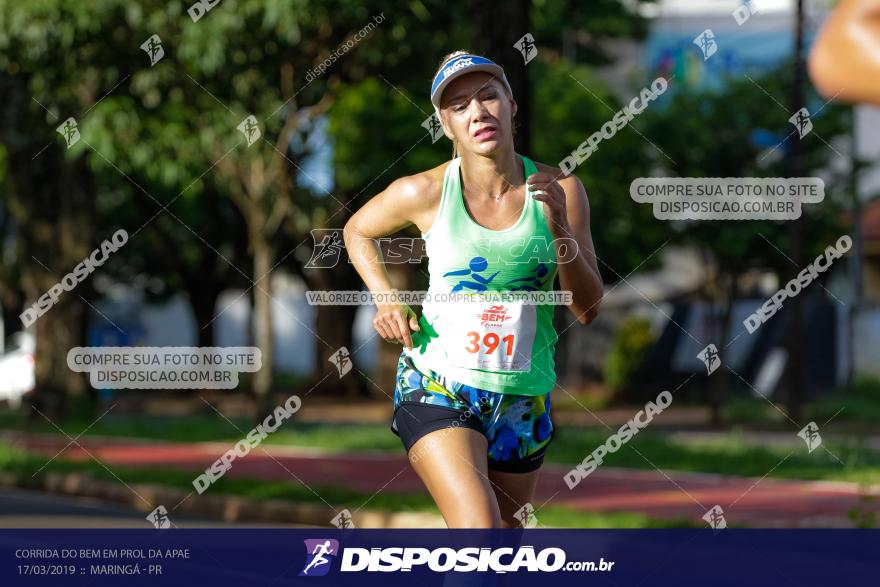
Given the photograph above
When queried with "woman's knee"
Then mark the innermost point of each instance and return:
(475, 520)
(509, 513)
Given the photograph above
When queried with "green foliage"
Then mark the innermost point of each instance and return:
(867, 387)
(631, 340)
(706, 133)
(374, 128)
(29, 470)
(572, 104)
(557, 22)
(861, 408)
(158, 130)
(864, 515)
(732, 454)
(860, 405)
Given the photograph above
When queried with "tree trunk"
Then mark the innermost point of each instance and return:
(203, 294)
(51, 202)
(57, 331)
(712, 298)
(334, 326)
(262, 292)
(499, 29)
(720, 378)
(795, 381)
(12, 302)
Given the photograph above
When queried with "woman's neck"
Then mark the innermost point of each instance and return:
(491, 176)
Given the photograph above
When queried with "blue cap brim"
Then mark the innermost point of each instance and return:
(462, 65)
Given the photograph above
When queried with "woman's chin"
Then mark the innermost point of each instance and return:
(486, 147)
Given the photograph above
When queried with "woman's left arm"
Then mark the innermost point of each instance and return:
(568, 214)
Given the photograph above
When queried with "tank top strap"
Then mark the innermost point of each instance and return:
(451, 189)
(451, 212)
(451, 179)
(530, 167)
(536, 208)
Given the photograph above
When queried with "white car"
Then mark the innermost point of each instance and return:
(17, 368)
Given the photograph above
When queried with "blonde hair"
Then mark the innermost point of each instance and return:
(443, 62)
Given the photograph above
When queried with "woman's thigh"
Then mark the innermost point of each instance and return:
(519, 431)
(453, 466)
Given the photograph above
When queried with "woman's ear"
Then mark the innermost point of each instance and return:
(513, 107)
(446, 130)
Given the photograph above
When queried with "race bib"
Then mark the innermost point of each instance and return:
(495, 336)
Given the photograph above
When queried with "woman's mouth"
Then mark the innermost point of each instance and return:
(485, 133)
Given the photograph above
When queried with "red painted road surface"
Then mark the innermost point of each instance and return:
(746, 501)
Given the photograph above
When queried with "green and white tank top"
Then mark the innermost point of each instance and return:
(501, 346)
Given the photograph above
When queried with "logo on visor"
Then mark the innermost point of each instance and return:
(460, 64)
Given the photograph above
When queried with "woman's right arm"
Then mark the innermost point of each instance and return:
(386, 213)
(844, 61)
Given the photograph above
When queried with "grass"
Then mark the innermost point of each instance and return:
(861, 405)
(28, 470)
(734, 454)
(212, 428)
(195, 428)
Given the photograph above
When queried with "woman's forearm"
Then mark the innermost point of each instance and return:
(580, 278)
(366, 256)
(844, 62)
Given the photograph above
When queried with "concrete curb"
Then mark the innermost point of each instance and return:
(146, 497)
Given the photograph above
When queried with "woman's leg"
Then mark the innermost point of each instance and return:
(453, 466)
(519, 429)
(512, 492)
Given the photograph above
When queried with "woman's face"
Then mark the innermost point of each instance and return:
(477, 113)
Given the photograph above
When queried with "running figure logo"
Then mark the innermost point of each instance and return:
(532, 282)
(526, 516)
(476, 282)
(801, 121)
(715, 518)
(159, 518)
(526, 46)
(343, 520)
(433, 126)
(710, 357)
(327, 250)
(706, 42)
(249, 129)
(153, 48)
(342, 359)
(69, 131)
(810, 435)
(317, 562)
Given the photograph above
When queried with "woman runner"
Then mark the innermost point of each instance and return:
(472, 402)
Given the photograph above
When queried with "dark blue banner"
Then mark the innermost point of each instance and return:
(332, 557)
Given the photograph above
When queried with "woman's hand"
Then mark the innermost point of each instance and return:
(394, 322)
(553, 197)
(568, 214)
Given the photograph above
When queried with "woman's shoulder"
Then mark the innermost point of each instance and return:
(416, 197)
(423, 187)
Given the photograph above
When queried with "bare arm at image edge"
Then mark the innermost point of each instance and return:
(386, 213)
(844, 62)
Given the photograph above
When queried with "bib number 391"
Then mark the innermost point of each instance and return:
(494, 337)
